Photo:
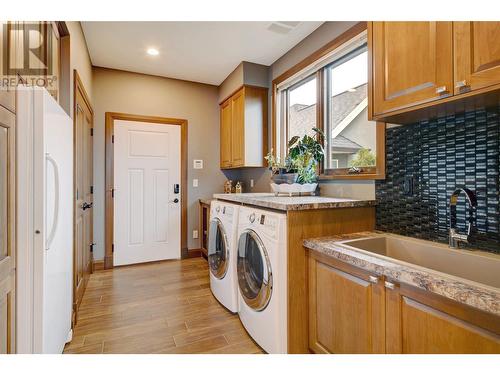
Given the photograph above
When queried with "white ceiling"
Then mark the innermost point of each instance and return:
(195, 51)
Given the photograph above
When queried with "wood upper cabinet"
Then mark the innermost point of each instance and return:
(238, 129)
(477, 55)
(423, 69)
(421, 323)
(243, 128)
(346, 309)
(412, 63)
(225, 134)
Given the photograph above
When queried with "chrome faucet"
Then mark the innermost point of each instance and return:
(455, 237)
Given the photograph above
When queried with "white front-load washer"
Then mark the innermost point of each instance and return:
(261, 270)
(222, 253)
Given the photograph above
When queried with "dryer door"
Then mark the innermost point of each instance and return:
(218, 250)
(254, 271)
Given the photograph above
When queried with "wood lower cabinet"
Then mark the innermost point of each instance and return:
(346, 309)
(352, 311)
(412, 63)
(204, 227)
(419, 322)
(243, 128)
(477, 55)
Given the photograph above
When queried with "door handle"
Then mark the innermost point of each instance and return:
(55, 219)
(86, 205)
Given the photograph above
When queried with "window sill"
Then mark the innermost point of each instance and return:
(360, 176)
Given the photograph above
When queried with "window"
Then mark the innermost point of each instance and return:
(301, 103)
(332, 94)
(352, 138)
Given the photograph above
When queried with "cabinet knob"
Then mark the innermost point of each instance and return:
(441, 90)
(461, 84)
(373, 279)
(389, 285)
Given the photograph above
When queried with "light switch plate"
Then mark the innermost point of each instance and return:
(195, 234)
(198, 164)
(195, 182)
(251, 183)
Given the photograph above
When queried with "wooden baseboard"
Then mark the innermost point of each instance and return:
(99, 265)
(193, 253)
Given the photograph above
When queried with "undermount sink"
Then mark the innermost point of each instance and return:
(480, 267)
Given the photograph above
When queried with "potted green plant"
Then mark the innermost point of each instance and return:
(282, 171)
(302, 160)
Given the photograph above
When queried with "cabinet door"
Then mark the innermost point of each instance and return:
(346, 311)
(238, 129)
(477, 55)
(7, 53)
(7, 232)
(412, 63)
(225, 134)
(416, 325)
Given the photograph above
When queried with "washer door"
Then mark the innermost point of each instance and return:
(254, 271)
(218, 250)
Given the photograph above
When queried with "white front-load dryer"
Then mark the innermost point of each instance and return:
(262, 271)
(222, 253)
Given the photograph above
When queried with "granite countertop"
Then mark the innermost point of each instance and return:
(480, 296)
(284, 203)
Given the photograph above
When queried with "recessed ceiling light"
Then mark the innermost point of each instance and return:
(153, 52)
(351, 90)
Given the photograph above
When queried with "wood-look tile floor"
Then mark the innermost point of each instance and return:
(162, 307)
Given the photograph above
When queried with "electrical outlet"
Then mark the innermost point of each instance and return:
(195, 182)
(251, 183)
(195, 233)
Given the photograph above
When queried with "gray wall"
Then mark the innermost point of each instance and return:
(317, 39)
(234, 80)
(246, 73)
(119, 91)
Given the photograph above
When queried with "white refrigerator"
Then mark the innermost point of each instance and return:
(44, 139)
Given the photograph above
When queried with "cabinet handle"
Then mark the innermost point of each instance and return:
(461, 84)
(373, 279)
(389, 285)
(441, 90)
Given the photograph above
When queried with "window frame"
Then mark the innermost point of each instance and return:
(280, 127)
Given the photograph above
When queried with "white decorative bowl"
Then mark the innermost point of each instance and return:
(294, 188)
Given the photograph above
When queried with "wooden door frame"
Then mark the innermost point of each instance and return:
(77, 88)
(109, 204)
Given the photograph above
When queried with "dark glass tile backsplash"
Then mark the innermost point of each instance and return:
(426, 161)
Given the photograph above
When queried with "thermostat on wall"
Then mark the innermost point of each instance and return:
(198, 164)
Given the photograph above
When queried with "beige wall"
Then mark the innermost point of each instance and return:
(79, 60)
(119, 91)
(317, 39)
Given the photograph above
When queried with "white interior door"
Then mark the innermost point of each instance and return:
(147, 207)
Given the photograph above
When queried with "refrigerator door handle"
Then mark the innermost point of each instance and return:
(55, 219)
